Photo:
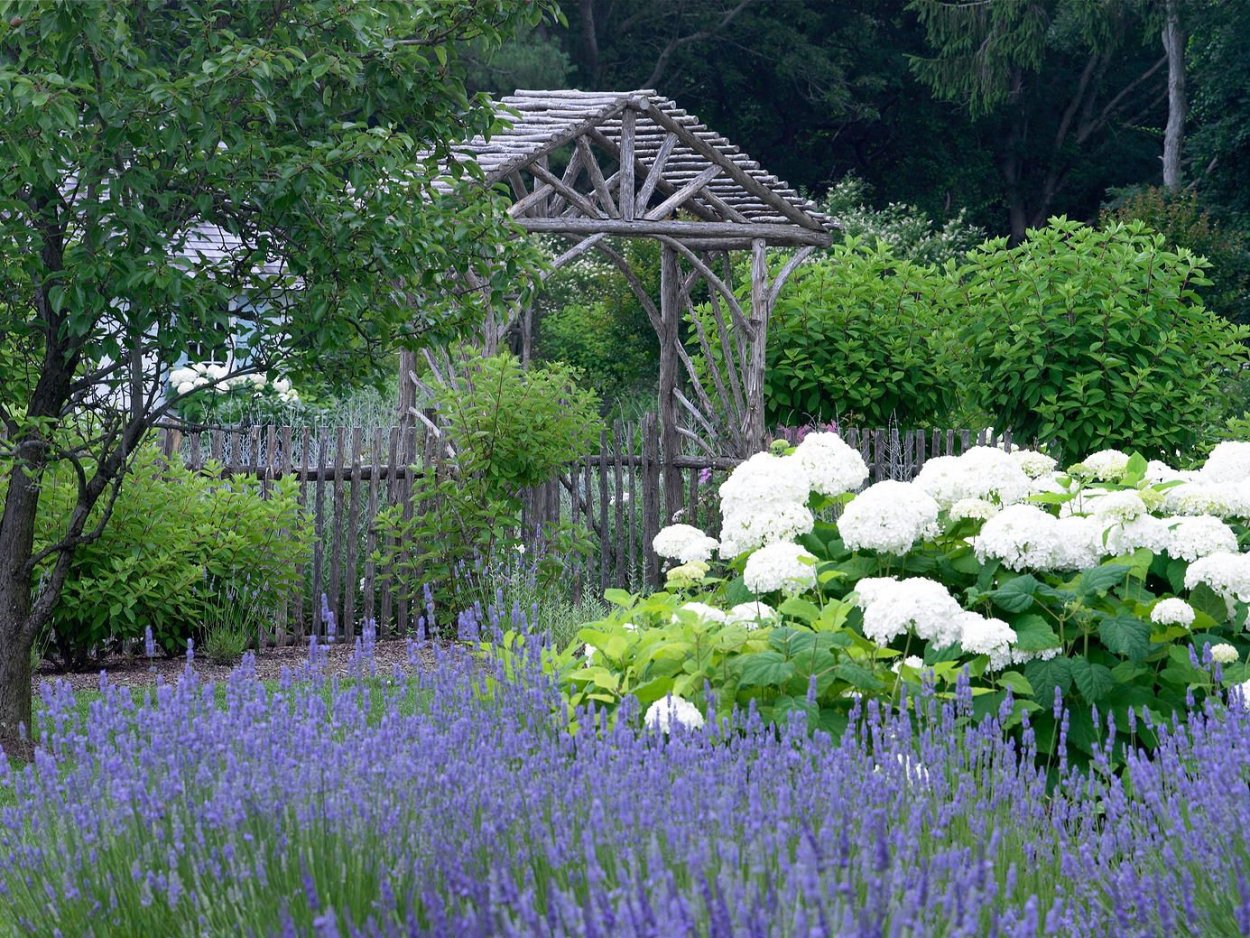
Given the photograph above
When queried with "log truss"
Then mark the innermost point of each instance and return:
(640, 167)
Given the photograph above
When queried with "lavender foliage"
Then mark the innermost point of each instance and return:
(454, 802)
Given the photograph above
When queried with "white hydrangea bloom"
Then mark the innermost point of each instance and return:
(1021, 536)
(745, 529)
(588, 651)
(1172, 611)
(1078, 543)
(981, 635)
(1034, 464)
(980, 472)
(186, 387)
(664, 714)
(1228, 574)
(977, 509)
(765, 478)
(1222, 499)
(911, 661)
(1158, 471)
(1106, 465)
(832, 466)
(704, 612)
(684, 543)
(1200, 536)
(1147, 531)
(1228, 462)
(182, 376)
(783, 566)
(751, 615)
(1120, 506)
(1241, 694)
(889, 517)
(1023, 657)
(893, 606)
(1224, 653)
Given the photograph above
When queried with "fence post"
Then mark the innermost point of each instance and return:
(650, 499)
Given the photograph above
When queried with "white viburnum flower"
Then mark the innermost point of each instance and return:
(1172, 611)
(1200, 536)
(832, 467)
(751, 615)
(684, 542)
(892, 606)
(1224, 653)
(671, 711)
(783, 567)
(889, 517)
(1228, 574)
(978, 509)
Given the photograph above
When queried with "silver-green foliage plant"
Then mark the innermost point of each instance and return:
(1118, 584)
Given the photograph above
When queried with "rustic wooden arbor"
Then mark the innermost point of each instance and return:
(640, 167)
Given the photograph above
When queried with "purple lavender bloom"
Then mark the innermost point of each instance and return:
(456, 802)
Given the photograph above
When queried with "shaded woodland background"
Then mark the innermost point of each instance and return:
(1010, 110)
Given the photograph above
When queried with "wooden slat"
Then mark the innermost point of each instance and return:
(350, 576)
(319, 524)
(618, 480)
(635, 565)
(389, 578)
(371, 531)
(604, 536)
(298, 624)
(650, 498)
(627, 192)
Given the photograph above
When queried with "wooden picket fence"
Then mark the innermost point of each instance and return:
(346, 476)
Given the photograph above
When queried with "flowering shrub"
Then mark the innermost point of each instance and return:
(228, 398)
(385, 808)
(1117, 585)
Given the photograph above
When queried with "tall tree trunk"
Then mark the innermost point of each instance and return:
(1173, 135)
(590, 43)
(17, 628)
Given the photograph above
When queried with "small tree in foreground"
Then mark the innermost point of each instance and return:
(167, 163)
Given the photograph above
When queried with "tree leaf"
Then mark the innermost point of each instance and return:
(1033, 633)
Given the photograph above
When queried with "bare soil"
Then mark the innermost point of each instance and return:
(270, 663)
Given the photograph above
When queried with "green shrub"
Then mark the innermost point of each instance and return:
(1088, 338)
(1185, 223)
(175, 544)
(863, 337)
(511, 428)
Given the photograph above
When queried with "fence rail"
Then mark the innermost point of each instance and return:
(347, 476)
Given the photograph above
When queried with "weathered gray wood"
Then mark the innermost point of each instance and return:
(656, 172)
(319, 523)
(351, 583)
(618, 532)
(683, 195)
(779, 235)
(627, 190)
(568, 193)
(670, 315)
(595, 172)
(650, 499)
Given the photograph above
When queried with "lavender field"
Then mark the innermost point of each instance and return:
(455, 802)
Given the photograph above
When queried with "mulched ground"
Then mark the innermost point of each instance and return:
(270, 663)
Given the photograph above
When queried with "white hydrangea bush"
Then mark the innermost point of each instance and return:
(1116, 583)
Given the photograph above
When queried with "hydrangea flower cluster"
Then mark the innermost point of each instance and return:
(982, 472)
(684, 543)
(889, 517)
(217, 377)
(781, 567)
